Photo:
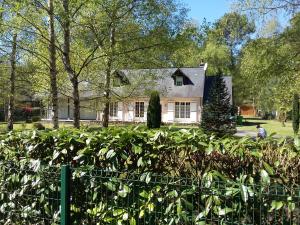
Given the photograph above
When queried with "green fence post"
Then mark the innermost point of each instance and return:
(65, 195)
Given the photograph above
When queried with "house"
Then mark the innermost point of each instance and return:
(182, 91)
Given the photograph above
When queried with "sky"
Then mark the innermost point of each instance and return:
(212, 10)
(209, 9)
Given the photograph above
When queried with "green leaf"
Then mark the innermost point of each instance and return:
(268, 168)
(111, 153)
(244, 193)
(137, 149)
(110, 186)
(132, 221)
(265, 179)
(276, 205)
(118, 212)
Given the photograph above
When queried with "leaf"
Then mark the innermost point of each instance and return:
(276, 205)
(110, 186)
(150, 207)
(111, 153)
(140, 162)
(118, 212)
(125, 216)
(244, 193)
(137, 149)
(55, 154)
(132, 221)
(265, 179)
(141, 214)
(257, 154)
(268, 168)
(210, 149)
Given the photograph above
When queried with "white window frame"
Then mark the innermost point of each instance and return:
(113, 109)
(178, 80)
(139, 109)
(182, 110)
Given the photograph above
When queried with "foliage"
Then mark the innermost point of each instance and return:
(216, 115)
(123, 174)
(296, 114)
(154, 111)
(268, 65)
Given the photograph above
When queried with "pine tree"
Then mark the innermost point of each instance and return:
(296, 114)
(154, 111)
(217, 110)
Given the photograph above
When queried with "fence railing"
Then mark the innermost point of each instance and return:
(33, 194)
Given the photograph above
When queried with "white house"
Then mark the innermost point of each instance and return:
(182, 91)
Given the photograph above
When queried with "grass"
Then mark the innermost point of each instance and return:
(271, 126)
(28, 126)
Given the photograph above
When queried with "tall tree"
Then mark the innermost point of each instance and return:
(154, 111)
(131, 34)
(53, 67)
(11, 103)
(296, 114)
(234, 30)
(217, 110)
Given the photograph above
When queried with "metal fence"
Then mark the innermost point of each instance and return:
(91, 196)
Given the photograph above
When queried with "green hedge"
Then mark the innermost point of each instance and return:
(139, 176)
(173, 152)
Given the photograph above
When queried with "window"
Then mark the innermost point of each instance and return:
(139, 109)
(178, 80)
(113, 109)
(116, 81)
(182, 109)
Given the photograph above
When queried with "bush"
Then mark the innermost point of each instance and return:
(179, 153)
(36, 118)
(121, 153)
(217, 110)
(154, 111)
(38, 126)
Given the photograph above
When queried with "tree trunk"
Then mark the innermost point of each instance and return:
(67, 64)
(76, 103)
(108, 75)
(107, 97)
(53, 68)
(11, 103)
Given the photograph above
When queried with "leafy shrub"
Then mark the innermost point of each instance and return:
(38, 126)
(217, 109)
(154, 111)
(179, 153)
(217, 176)
(36, 118)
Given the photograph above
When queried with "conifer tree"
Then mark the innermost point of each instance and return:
(217, 109)
(296, 114)
(154, 111)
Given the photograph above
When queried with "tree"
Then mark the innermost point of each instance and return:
(52, 61)
(296, 115)
(130, 34)
(263, 7)
(217, 110)
(268, 65)
(11, 103)
(154, 111)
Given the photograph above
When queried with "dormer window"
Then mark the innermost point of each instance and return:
(178, 80)
(116, 81)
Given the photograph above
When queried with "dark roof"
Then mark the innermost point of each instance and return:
(208, 84)
(165, 81)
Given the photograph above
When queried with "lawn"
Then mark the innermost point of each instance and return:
(271, 126)
(249, 124)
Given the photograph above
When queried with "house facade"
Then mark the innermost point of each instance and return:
(181, 91)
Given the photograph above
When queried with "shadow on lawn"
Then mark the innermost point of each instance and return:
(252, 121)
